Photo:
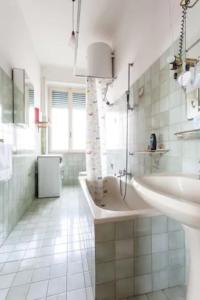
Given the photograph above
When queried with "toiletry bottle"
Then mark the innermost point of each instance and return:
(153, 142)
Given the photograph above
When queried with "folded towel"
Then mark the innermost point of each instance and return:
(5, 162)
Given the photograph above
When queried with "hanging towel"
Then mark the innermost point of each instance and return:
(5, 162)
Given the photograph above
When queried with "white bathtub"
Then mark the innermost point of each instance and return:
(113, 207)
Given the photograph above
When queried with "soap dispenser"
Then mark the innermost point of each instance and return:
(153, 142)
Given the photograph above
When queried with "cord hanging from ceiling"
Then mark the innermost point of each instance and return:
(73, 33)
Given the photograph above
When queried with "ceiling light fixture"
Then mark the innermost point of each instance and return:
(72, 38)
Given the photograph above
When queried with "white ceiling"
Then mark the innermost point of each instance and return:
(49, 23)
(130, 26)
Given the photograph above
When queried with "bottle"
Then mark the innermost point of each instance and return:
(153, 142)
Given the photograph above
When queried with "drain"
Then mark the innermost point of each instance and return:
(102, 205)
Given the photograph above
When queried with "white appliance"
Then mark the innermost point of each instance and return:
(49, 175)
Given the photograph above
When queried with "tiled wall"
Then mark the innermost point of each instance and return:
(17, 193)
(86, 223)
(73, 164)
(161, 110)
(138, 257)
(133, 257)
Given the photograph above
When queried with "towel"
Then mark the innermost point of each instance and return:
(5, 162)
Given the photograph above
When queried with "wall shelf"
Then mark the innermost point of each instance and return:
(158, 151)
(188, 133)
(42, 124)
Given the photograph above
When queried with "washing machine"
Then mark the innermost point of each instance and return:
(49, 175)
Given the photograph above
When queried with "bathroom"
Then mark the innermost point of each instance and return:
(99, 150)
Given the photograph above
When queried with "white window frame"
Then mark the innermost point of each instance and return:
(70, 91)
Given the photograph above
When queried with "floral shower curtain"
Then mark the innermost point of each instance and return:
(95, 145)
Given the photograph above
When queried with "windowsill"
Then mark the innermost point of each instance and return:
(67, 152)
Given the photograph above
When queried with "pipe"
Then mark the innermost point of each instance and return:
(193, 45)
(77, 35)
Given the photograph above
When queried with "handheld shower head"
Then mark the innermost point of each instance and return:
(130, 65)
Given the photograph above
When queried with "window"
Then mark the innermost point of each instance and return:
(78, 121)
(68, 120)
(31, 105)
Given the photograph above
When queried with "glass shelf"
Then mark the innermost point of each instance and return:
(193, 133)
(158, 151)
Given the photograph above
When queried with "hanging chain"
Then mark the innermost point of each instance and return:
(184, 5)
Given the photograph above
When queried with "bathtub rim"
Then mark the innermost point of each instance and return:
(102, 215)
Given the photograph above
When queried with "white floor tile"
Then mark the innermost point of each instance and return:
(18, 292)
(6, 280)
(10, 267)
(75, 281)
(58, 297)
(3, 257)
(17, 255)
(77, 294)
(37, 290)
(22, 277)
(58, 270)
(41, 274)
(89, 293)
(75, 267)
(27, 264)
(57, 286)
(3, 294)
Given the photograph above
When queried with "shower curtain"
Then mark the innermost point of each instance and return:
(95, 141)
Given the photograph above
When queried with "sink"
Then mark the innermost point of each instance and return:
(178, 197)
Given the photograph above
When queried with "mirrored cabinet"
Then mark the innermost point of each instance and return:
(23, 98)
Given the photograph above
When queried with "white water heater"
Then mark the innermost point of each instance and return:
(100, 60)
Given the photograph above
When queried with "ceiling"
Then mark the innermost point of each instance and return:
(50, 26)
(127, 25)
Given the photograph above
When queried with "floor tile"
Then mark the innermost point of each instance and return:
(58, 270)
(18, 292)
(77, 294)
(10, 267)
(37, 290)
(75, 267)
(57, 286)
(6, 280)
(43, 258)
(75, 281)
(3, 294)
(41, 274)
(58, 297)
(157, 296)
(176, 293)
(22, 277)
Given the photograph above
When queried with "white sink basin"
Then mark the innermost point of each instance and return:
(175, 196)
(179, 198)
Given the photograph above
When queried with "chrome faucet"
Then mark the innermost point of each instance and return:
(124, 173)
(120, 174)
(127, 173)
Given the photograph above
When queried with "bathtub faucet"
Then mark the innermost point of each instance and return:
(127, 173)
(124, 173)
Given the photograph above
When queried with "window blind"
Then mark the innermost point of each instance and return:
(31, 97)
(59, 99)
(78, 100)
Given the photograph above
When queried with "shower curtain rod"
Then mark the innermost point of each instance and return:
(77, 35)
(77, 43)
